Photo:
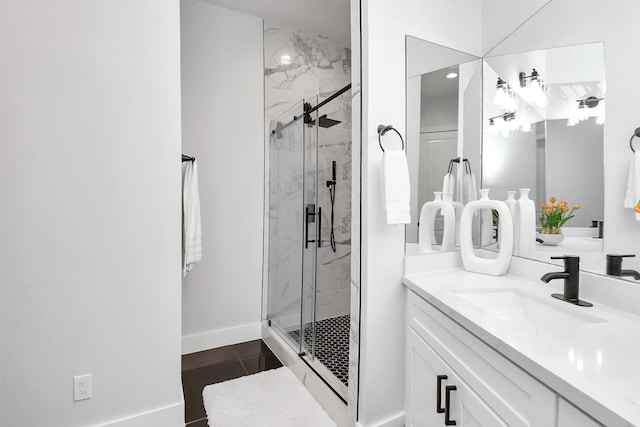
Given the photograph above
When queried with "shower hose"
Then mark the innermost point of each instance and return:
(332, 193)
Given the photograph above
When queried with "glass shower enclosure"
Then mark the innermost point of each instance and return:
(297, 230)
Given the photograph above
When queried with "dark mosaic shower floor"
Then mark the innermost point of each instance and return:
(332, 344)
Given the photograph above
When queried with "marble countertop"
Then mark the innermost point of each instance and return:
(590, 356)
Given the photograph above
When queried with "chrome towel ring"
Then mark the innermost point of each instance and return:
(382, 129)
(635, 133)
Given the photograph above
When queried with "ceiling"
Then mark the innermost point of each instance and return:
(329, 18)
(436, 84)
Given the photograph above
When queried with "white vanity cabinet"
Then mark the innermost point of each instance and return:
(489, 389)
(437, 396)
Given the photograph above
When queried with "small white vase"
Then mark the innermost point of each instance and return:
(526, 216)
(426, 232)
(550, 239)
(499, 265)
(512, 203)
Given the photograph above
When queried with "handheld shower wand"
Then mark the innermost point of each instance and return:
(331, 185)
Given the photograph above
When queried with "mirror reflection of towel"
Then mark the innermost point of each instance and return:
(469, 188)
(632, 196)
(191, 231)
(449, 185)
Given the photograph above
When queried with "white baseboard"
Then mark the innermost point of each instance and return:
(395, 421)
(167, 416)
(221, 337)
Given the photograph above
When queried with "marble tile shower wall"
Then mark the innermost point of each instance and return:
(297, 67)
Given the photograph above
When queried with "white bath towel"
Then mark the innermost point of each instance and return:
(449, 185)
(191, 231)
(633, 185)
(469, 188)
(396, 193)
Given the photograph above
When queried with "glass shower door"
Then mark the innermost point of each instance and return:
(313, 221)
(295, 237)
(293, 228)
(286, 228)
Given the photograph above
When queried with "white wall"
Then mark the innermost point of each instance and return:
(384, 26)
(90, 218)
(222, 111)
(617, 28)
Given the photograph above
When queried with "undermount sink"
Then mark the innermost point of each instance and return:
(516, 305)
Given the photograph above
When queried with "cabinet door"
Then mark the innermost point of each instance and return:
(423, 368)
(420, 397)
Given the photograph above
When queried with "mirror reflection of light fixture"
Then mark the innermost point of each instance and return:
(507, 124)
(587, 108)
(505, 97)
(534, 89)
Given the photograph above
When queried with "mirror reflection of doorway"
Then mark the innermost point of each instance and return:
(436, 150)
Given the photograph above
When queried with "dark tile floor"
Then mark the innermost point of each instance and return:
(218, 365)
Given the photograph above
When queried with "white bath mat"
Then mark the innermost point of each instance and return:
(273, 398)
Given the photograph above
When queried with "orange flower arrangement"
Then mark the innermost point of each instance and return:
(637, 207)
(556, 214)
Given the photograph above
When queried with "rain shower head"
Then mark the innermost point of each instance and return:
(325, 122)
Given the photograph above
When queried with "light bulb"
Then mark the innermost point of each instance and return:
(525, 127)
(285, 59)
(600, 117)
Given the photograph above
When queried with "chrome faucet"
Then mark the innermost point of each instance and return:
(614, 267)
(571, 276)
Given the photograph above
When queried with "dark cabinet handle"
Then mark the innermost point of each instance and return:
(447, 405)
(439, 408)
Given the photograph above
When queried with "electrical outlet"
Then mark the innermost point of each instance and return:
(82, 387)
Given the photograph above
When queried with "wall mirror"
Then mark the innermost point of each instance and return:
(443, 92)
(563, 149)
(543, 129)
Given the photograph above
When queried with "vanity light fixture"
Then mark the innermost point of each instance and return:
(505, 97)
(534, 89)
(507, 124)
(588, 107)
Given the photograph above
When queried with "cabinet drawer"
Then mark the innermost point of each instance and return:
(516, 397)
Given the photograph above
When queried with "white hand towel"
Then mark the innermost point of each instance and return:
(633, 185)
(396, 194)
(469, 188)
(449, 185)
(191, 231)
